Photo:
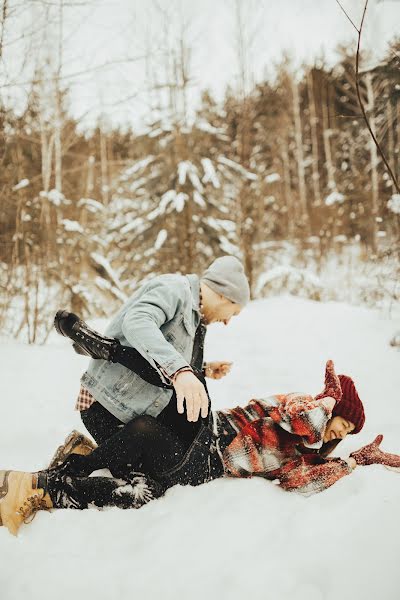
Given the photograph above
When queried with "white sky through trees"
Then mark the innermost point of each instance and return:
(101, 36)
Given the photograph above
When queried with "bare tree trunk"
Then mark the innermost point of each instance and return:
(327, 133)
(46, 142)
(105, 185)
(150, 83)
(90, 176)
(314, 141)
(287, 186)
(57, 104)
(57, 141)
(391, 123)
(300, 156)
(248, 226)
(184, 73)
(189, 242)
(373, 162)
(84, 265)
(398, 135)
(4, 12)
(241, 50)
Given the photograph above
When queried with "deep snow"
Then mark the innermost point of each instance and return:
(230, 538)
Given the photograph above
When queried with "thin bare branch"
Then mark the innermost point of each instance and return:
(348, 17)
(358, 91)
(361, 103)
(56, 4)
(76, 74)
(3, 24)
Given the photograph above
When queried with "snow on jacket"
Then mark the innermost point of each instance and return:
(270, 434)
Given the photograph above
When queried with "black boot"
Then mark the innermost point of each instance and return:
(75, 465)
(91, 343)
(86, 340)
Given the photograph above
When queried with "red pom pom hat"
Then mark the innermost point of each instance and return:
(350, 406)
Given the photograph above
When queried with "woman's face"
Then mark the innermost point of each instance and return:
(337, 428)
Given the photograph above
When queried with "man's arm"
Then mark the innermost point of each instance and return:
(141, 327)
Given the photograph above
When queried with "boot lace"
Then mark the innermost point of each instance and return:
(30, 507)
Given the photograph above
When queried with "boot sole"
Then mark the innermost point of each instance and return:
(61, 449)
(60, 315)
(71, 444)
(3, 489)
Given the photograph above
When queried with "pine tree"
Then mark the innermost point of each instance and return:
(174, 209)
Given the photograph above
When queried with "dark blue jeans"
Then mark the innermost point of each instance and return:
(145, 457)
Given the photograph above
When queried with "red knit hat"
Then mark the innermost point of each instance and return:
(350, 406)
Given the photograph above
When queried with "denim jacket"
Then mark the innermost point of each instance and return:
(160, 321)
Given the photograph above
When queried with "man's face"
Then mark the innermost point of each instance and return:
(221, 311)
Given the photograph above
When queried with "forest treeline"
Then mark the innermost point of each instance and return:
(86, 215)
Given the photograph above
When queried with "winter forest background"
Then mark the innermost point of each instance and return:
(279, 170)
(146, 136)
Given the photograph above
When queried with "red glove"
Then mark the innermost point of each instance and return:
(373, 455)
(332, 384)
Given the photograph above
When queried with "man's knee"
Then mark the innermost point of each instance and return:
(142, 424)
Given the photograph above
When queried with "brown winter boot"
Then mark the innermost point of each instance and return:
(20, 499)
(75, 443)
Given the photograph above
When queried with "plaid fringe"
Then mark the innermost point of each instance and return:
(84, 400)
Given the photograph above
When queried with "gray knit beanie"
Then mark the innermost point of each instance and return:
(226, 277)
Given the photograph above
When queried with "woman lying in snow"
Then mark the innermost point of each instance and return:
(283, 438)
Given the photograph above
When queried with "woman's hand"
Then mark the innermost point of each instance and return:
(217, 369)
(373, 455)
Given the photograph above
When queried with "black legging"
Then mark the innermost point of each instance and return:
(144, 444)
(68, 491)
(147, 444)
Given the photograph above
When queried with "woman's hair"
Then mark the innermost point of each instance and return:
(324, 451)
(328, 447)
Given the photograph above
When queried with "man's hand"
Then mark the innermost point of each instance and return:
(217, 369)
(189, 388)
(373, 455)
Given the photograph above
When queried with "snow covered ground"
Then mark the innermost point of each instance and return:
(230, 538)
